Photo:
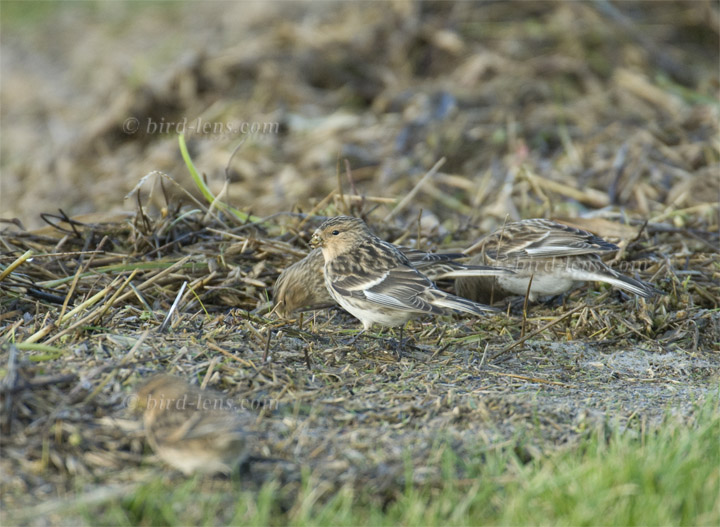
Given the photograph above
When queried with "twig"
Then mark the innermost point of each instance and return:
(209, 372)
(10, 268)
(482, 360)
(538, 331)
(117, 293)
(173, 307)
(244, 362)
(266, 351)
(89, 302)
(98, 312)
(150, 281)
(39, 382)
(531, 379)
(81, 269)
(10, 331)
(143, 301)
(307, 359)
(141, 213)
(403, 202)
(316, 208)
(380, 200)
(339, 186)
(589, 196)
(348, 172)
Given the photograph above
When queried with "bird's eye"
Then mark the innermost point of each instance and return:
(335, 232)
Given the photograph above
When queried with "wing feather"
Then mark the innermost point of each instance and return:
(543, 239)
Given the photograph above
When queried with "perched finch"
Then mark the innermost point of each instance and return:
(374, 281)
(191, 429)
(302, 285)
(556, 256)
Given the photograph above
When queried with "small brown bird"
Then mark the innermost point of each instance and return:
(192, 430)
(302, 285)
(556, 256)
(374, 281)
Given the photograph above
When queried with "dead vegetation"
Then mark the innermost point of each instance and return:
(583, 131)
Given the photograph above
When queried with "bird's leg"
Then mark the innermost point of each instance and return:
(352, 341)
(525, 305)
(399, 348)
(555, 301)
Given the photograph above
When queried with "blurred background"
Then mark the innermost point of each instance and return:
(550, 108)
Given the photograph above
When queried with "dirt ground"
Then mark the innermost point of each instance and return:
(602, 113)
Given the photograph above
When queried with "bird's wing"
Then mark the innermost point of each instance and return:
(542, 239)
(382, 276)
(404, 288)
(419, 258)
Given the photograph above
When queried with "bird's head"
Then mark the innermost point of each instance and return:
(340, 234)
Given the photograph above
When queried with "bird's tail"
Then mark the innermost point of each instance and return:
(448, 301)
(619, 280)
(439, 270)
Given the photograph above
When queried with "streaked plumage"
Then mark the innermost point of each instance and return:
(302, 285)
(555, 255)
(374, 281)
(192, 430)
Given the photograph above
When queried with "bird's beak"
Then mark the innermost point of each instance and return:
(315, 240)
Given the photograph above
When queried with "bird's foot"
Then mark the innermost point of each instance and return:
(351, 342)
(399, 346)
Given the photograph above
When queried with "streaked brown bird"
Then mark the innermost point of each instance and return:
(556, 256)
(374, 281)
(192, 430)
